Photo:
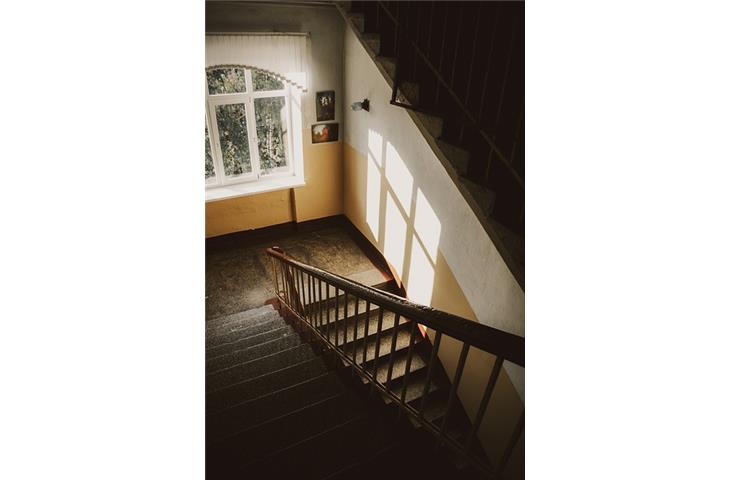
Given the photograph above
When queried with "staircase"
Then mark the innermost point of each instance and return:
(458, 68)
(275, 406)
(287, 397)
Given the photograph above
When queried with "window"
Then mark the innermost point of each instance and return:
(248, 125)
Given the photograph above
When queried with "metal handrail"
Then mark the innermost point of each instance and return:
(299, 290)
(457, 101)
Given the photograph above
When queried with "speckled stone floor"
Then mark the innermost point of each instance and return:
(238, 278)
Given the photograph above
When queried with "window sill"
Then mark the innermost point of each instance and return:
(244, 189)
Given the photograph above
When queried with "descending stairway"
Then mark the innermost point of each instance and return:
(477, 48)
(276, 405)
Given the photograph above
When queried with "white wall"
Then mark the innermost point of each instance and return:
(388, 137)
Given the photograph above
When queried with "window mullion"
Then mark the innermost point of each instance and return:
(215, 145)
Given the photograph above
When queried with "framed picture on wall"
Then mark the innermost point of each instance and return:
(325, 132)
(325, 106)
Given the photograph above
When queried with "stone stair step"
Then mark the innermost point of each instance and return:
(402, 335)
(286, 340)
(258, 367)
(399, 365)
(388, 64)
(457, 156)
(273, 405)
(243, 319)
(484, 197)
(246, 341)
(217, 339)
(263, 384)
(372, 40)
(358, 20)
(433, 124)
(414, 391)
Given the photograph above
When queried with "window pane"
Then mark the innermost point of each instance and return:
(234, 138)
(271, 132)
(226, 80)
(209, 169)
(264, 81)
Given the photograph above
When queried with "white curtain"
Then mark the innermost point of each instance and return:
(284, 55)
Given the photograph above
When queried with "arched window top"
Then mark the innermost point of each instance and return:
(224, 79)
(283, 56)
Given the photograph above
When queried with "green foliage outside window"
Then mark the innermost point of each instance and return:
(270, 129)
(226, 80)
(233, 138)
(209, 171)
(264, 81)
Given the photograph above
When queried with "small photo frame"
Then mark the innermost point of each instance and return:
(325, 132)
(325, 106)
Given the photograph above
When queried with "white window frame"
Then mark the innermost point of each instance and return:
(221, 186)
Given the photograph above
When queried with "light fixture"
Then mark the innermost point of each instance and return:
(364, 105)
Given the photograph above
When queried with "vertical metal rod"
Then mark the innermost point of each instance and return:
(471, 70)
(456, 47)
(485, 400)
(392, 352)
(286, 283)
(441, 55)
(377, 349)
(327, 307)
(344, 322)
(511, 445)
(501, 98)
(489, 64)
(276, 276)
(409, 358)
(302, 299)
(365, 335)
(319, 302)
(354, 330)
(337, 314)
(518, 134)
(454, 387)
(430, 29)
(310, 305)
(431, 363)
(418, 35)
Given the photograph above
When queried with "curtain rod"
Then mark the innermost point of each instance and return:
(288, 34)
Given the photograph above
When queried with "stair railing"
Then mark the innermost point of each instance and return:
(401, 37)
(299, 288)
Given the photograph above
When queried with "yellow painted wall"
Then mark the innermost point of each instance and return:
(407, 234)
(246, 213)
(322, 196)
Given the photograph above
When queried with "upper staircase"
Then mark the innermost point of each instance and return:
(458, 68)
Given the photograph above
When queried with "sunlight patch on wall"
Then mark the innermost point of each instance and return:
(427, 226)
(420, 275)
(375, 147)
(395, 235)
(372, 197)
(399, 177)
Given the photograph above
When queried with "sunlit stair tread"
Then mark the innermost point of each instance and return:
(241, 319)
(219, 338)
(272, 405)
(263, 384)
(399, 365)
(344, 330)
(369, 344)
(287, 339)
(257, 367)
(247, 342)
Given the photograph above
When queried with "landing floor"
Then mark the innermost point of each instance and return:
(238, 272)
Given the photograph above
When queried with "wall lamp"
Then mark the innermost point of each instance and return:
(364, 105)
